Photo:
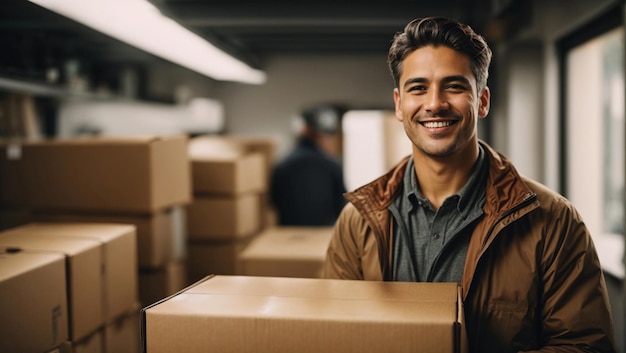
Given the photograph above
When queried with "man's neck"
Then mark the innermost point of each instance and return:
(439, 178)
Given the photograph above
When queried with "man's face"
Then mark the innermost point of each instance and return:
(438, 103)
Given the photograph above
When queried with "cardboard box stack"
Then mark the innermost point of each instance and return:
(230, 204)
(279, 314)
(282, 251)
(71, 285)
(142, 181)
(267, 147)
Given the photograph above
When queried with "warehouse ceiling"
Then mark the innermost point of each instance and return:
(33, 39)
(255, 30)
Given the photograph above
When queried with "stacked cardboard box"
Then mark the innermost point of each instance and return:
(283, 251)
(279, 314)
(95, 291)
(33, 309)
(230, 185)
(142, 181)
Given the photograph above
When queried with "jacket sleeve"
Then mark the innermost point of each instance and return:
(353, 252)
(342, 257)
(576, 312)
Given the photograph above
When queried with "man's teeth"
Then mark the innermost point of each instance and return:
(437, 124)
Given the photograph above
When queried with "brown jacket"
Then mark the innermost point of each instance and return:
(532, 279)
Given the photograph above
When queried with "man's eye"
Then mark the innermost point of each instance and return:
(456, 87)
(417, 88)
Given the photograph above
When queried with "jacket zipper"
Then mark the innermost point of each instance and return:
(528, 199)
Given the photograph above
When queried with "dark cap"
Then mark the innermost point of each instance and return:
(324, 119)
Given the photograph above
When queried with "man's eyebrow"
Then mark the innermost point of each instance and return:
(457, 78)
(414, 80)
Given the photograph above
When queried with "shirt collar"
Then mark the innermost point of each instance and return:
(468, 192)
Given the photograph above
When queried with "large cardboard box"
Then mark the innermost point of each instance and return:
(130, 174)
(84, 276)
(278, 314)
(118, 254)
(223, 217)
(161, 236)
(283, 251)
(33, 304)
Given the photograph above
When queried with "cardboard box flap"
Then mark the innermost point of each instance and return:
(14, 266)
(327, 289)
(310, 308)
(101, 232)
(68, 247)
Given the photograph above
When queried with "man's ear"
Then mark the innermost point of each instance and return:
(485, 101)
(396, 100)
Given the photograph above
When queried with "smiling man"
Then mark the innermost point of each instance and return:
(456, 210)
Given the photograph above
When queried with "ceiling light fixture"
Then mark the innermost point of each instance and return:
(141, 24)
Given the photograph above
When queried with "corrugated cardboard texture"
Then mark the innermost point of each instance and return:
(286, 252)
(104, 174)
(33, 308)
(272, 314)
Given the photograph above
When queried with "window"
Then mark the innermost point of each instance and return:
(593, 141)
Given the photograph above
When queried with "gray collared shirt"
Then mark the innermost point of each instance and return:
(429, 245)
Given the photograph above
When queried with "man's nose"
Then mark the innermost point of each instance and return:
(435, 101)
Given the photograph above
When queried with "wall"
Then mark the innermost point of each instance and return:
(539, 91)
(296, 82)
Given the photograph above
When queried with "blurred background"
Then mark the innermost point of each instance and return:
(249, 68)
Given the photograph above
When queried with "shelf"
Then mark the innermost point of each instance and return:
(48, 90)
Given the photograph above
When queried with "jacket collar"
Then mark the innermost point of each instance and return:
(505, 187)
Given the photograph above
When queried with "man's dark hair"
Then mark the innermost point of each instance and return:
(441, 31)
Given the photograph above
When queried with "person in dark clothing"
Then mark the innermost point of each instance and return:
(307, 185)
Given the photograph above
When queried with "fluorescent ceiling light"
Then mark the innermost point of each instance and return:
(140, 24)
